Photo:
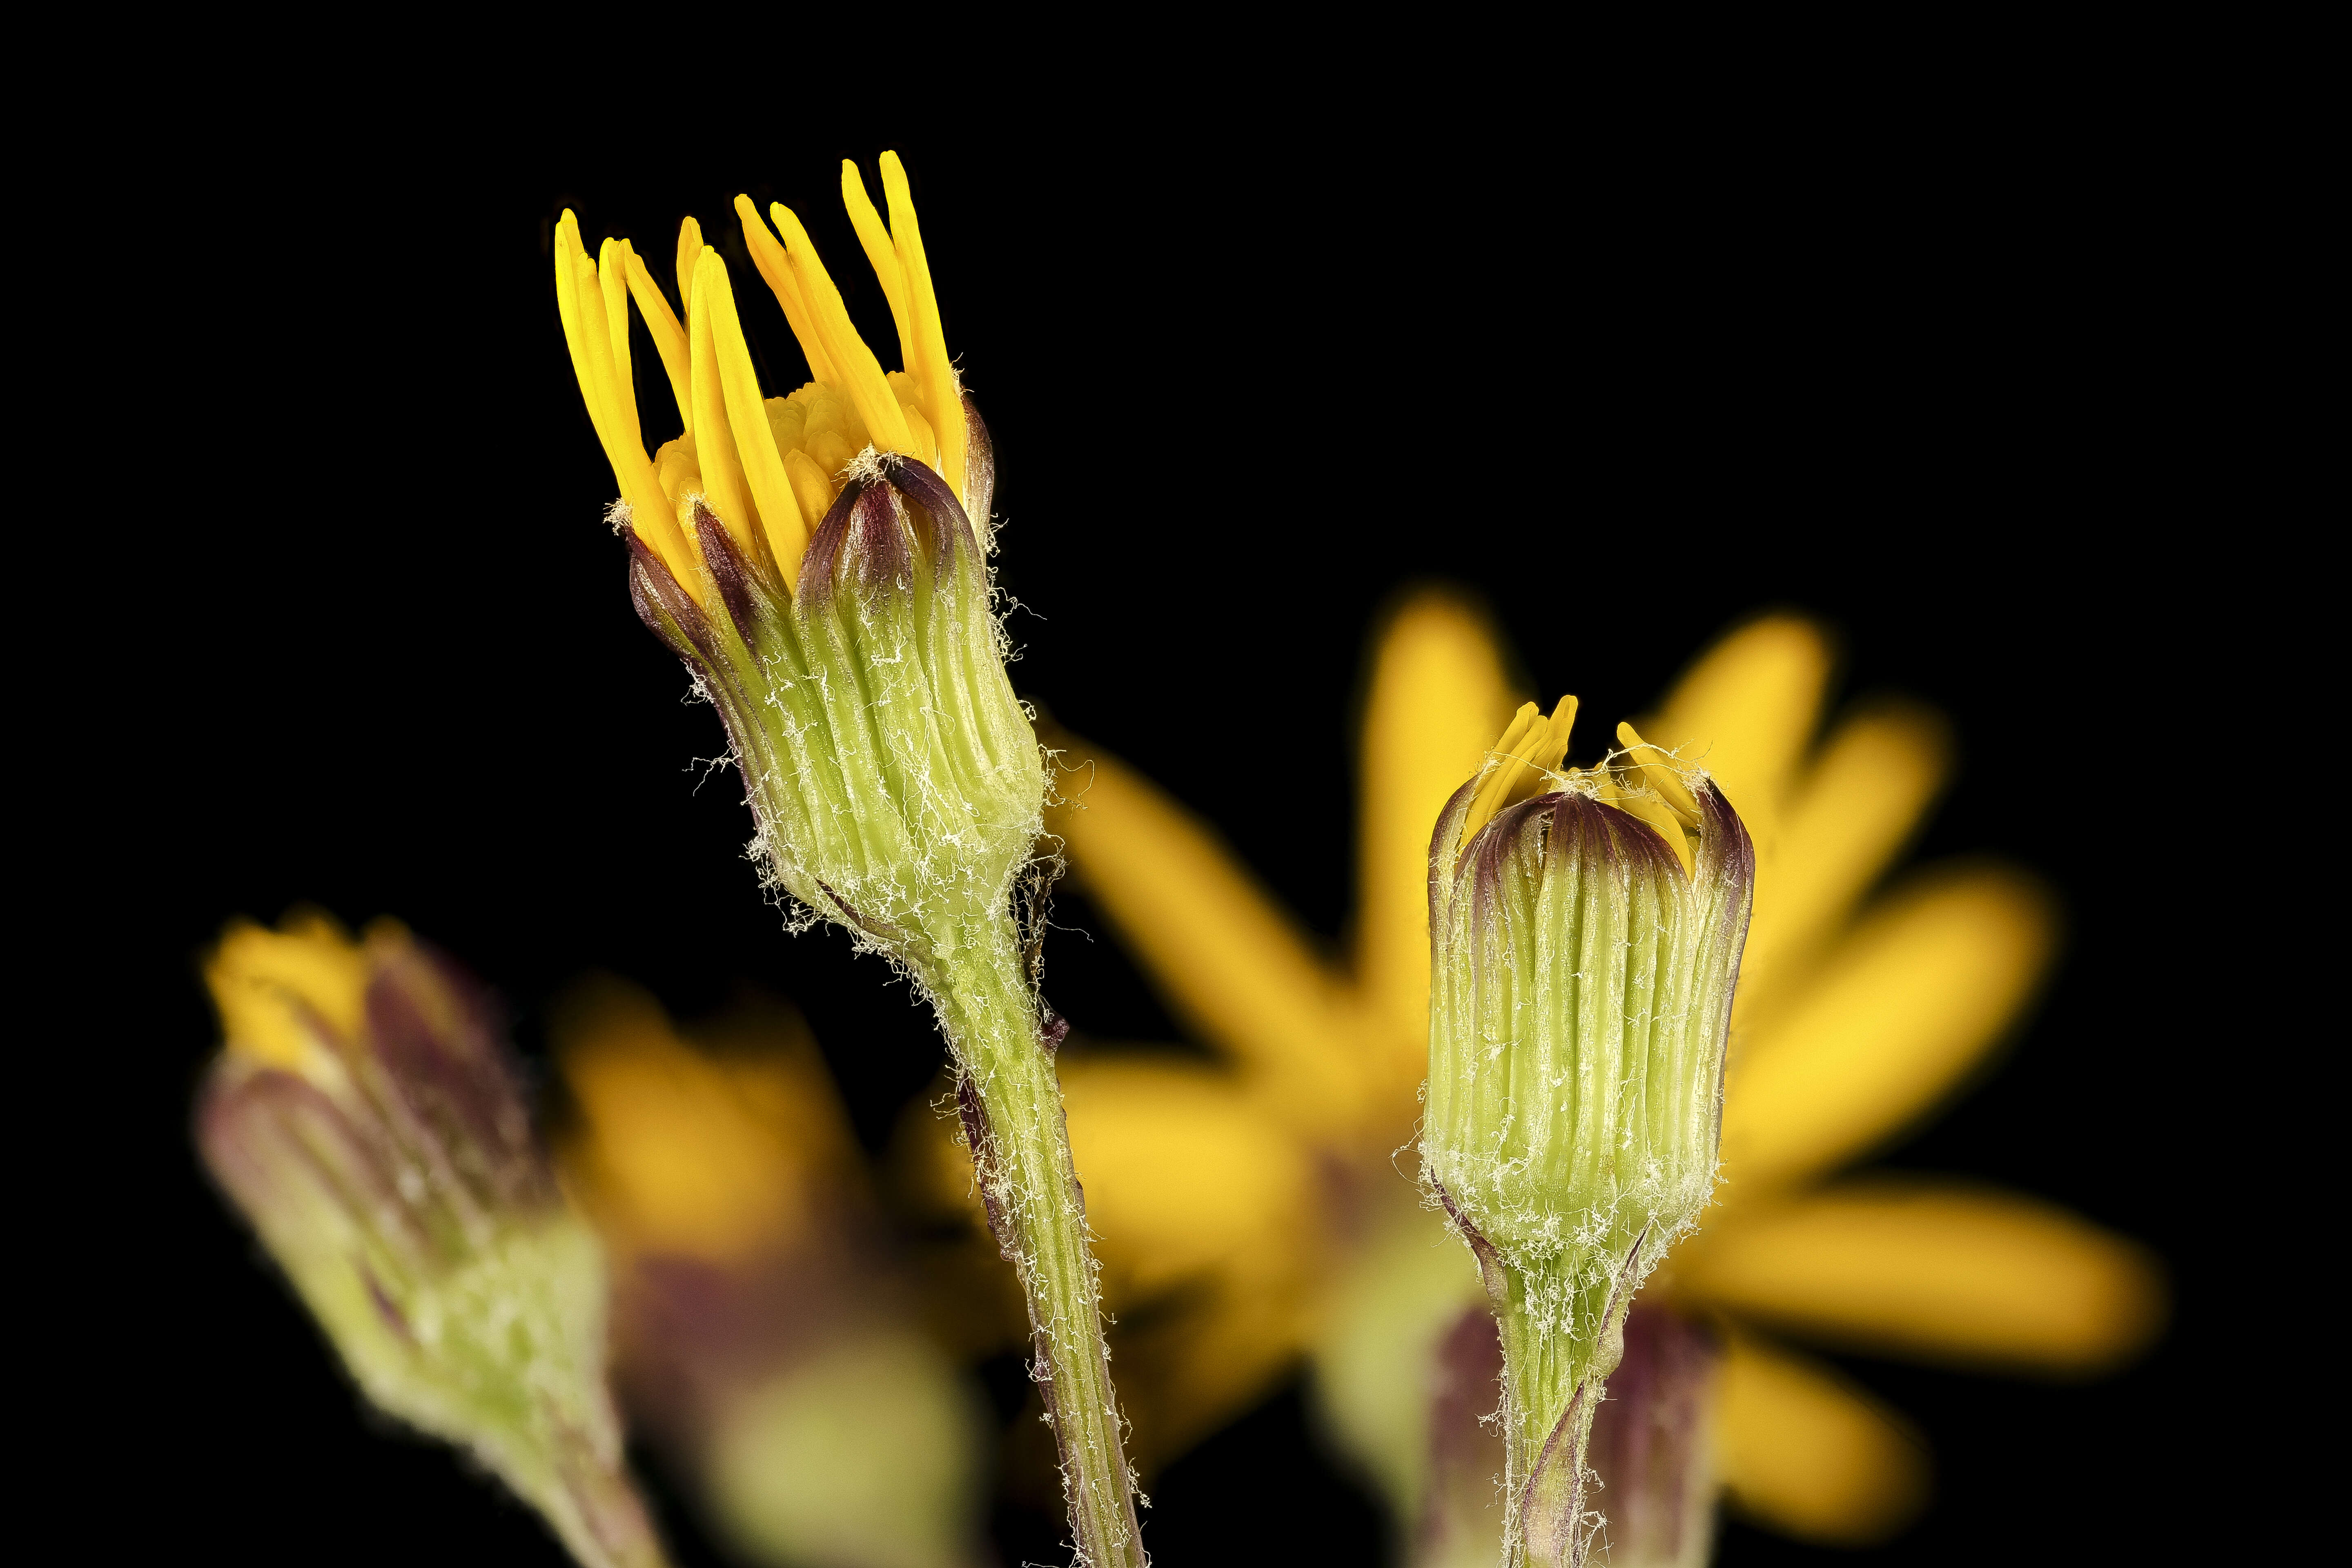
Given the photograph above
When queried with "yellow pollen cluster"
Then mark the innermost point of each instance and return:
(1641, 779)
(767, 467)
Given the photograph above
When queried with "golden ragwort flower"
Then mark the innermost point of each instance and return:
(1858, 1013)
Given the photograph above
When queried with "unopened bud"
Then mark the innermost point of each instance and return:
(1586, 928)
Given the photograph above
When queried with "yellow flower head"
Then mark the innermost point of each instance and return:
(769, 470)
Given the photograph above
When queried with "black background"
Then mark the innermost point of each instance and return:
(365, 641)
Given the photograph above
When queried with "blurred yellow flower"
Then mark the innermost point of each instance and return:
(1248, 1210)
(763, 1335)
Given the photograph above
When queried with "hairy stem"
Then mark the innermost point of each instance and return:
(1012, 1109)
(1563, 1333)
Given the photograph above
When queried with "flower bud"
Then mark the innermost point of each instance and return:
(1586, 928)
(366, 1119)
(895, 779)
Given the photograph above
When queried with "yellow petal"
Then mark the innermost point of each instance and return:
(1201, 1202)
(925, 450)
(1844, 823)
(1746, 711)
(581, 301)
(1806, 1453)
(860, 372)
(810, 487)
(1654, 767)
(1892, 1023)
(881, 255)
(942, 393)
(1227, 956)
(1438, 694)
(572, 311)
(747, 420)
(683, 1152)
(670, 337)
(724, 485)
(1183, 1174)
(775, 270)
(689, 252)
(1935, 1272)
(613, 283)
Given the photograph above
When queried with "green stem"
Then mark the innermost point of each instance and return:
(1563, 1333)
(1011, 1108)
(597, 1511)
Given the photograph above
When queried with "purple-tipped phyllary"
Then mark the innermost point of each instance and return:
(894, 780)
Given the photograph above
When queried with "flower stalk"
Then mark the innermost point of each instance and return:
(819, 562)
(1011, 1107)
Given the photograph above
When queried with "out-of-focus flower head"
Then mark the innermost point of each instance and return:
(818, 561)
(366, 1119)
(763, 1333)
(1859, 1011)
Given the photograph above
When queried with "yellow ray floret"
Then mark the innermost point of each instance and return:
(1933, 1272)
(1913, 999)
(1806, 1452)
(1438, 696)
(1236, 964)
(767, 467)
(683, 1152)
